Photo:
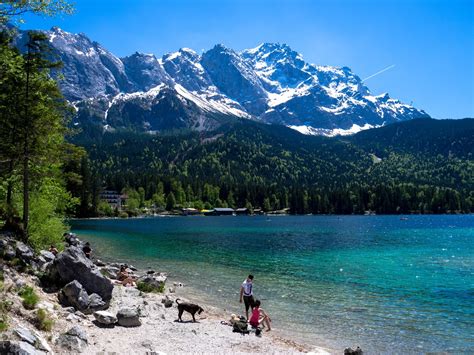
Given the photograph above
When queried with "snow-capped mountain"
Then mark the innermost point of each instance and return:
(271, 83)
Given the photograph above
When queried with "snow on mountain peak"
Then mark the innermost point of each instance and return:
(271, 83)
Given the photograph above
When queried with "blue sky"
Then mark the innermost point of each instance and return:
(430, 42)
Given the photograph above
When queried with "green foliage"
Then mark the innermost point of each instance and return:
(145, 287)
(272, 167)
(29, 296)
(44, 320)
(48, 205)
(3, 323)
(104, 209)
(15, 9)
(5, 307)
(170, 201)
(33, 118)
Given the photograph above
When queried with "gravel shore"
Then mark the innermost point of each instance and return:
(160, 331)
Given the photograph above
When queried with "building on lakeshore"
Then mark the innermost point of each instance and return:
(242, 211)
(115, 199)
(190, 211)
(220, 211)
(258, 211)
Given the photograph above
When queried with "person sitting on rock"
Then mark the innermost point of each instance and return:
(53, 250)
(87, 250)
(124, 277)
(259, 317)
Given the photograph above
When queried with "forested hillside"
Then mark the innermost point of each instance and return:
(417, 166)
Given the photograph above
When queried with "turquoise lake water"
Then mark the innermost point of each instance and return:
(386, 284)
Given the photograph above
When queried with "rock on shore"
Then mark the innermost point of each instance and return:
(150, 318)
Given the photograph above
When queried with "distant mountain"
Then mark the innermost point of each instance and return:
(270, 83)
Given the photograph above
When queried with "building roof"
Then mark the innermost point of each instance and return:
(223, 209)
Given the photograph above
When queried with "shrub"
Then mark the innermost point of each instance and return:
(123, 214)
(48, 205)
(5, 306)
(3, 323)
(43, 320)
(29, 296)
(145, 287)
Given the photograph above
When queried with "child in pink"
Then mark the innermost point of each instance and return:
(259, 316)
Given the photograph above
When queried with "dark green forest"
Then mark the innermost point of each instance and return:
(419, 166)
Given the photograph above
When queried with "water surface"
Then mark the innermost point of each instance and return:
(381, 282)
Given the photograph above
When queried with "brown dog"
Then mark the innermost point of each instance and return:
(188, 307)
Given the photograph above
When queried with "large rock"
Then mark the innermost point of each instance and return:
(32, 338)
(25, 335)
(75, 339)
(47, 255)
(24, 252)
(128, 317)
(18, 348)
(96, 302)
(72, 264)
(73, 294)
(71, 239)
(9, 252)
(105, 318)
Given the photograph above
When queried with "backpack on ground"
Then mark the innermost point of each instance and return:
(241, 327)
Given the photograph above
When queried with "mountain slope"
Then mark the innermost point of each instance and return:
(449, 138)
(246, 152)
(270, 83)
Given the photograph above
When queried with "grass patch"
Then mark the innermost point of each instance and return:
(145, 287)
(5, 307)
(44, 321)
(3, 324)
(29, 296)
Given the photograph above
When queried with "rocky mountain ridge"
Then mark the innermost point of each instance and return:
(270, 83)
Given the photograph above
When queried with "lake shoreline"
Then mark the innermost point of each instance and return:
(312, 272)
(212, 328)
(402, 216)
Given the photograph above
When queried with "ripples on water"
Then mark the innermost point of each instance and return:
(386, 284)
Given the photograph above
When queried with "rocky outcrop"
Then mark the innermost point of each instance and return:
(72, 264)
(18, 348)
(24, 252)
(73, 294)
(75, 339)
(128, 317)
(47, 255)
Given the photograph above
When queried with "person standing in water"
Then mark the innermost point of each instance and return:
(246, 294)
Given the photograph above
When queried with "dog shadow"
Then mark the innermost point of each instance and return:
(185, 321)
